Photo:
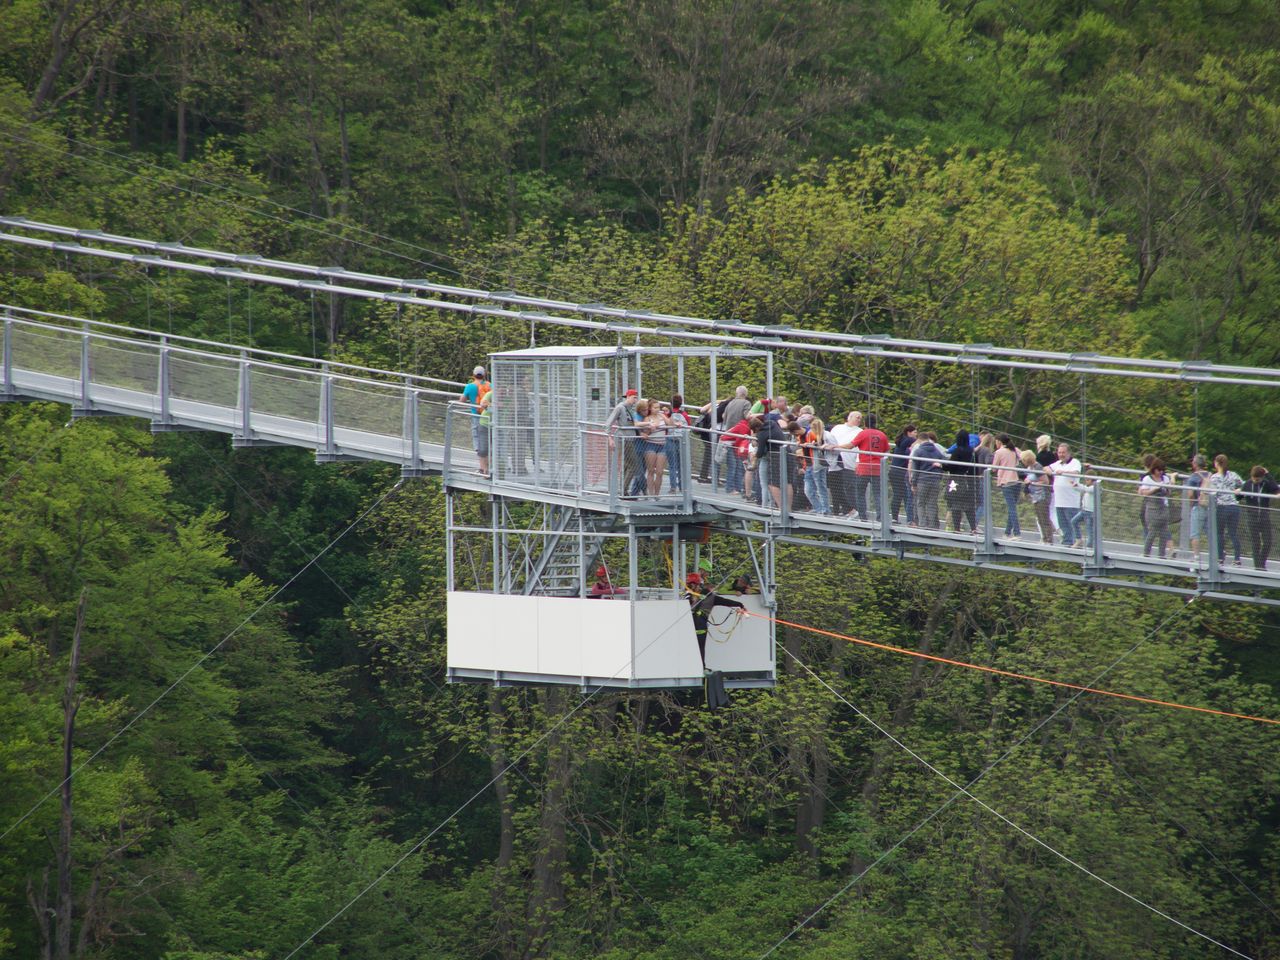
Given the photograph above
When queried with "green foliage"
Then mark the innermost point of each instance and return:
(1038, 175)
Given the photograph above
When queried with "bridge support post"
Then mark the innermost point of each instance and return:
(7, 392)
(988, 550)
(446, 467)
(1096, 565)
(165, 422)
(1212, 579)
(328, 452)
(884, 521)
(85, 407)
(413, 429)
(713, 436)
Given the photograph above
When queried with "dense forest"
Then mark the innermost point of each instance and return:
(1044, 173)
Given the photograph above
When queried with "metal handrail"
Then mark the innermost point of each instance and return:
(171, 337)
(237, 360)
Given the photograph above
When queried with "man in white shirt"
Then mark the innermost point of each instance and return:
(840, 479)
(1066, 493)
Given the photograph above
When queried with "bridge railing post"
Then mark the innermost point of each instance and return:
(326, 412)
(86, 373)
(414, 467)
(7, 390)
(446, 467)
(616, 453)
(245, 399)
(784, 482)
(713, 435)
(162, 385)
(1215, 539)
(882, 504)
(984, 498)
(686, 473)
(1098, 557)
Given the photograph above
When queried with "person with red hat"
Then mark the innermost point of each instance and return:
(701, 601)
(603, 588)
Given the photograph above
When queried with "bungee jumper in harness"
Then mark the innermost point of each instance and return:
(702, 601)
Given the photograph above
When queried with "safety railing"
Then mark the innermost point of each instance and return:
(256, 399)
(614, 465)
(1110, 521)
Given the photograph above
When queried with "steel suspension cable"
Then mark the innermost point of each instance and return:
(946, 804)
(492, 780)
(965, 791)
(902, 651)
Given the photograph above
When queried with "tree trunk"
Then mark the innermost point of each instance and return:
(547, 900)
(506, 822)
(64, 910)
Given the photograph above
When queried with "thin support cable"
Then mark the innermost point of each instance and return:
(1195, 408)
(1084, 420)
(965, 792)
(973, 388)
(204, 657)
(492, 780)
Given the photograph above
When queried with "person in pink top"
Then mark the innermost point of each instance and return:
(874, 444)
(1009, 482)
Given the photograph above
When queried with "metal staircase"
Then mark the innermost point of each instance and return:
(561, 565)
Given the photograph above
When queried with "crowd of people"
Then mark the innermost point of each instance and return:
(767, 449)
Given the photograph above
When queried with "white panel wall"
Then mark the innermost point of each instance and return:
(559, 637)
(664, 645)
(606, 638)
(739, 645)
(470, 631)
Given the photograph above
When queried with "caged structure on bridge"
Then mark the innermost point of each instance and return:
(569, 576)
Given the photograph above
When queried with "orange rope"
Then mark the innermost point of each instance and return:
(1008, 673)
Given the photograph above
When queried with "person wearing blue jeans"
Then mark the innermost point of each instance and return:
(1007, 478)
(815, 463)
(1225, 485)
(1066, 493)
(733, 471)
(1012, 493)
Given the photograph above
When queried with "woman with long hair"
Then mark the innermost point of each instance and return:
(960, 470)
(653, 444)
(1038, 487)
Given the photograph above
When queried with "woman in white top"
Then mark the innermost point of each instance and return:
(1156, 490)
(653, 442)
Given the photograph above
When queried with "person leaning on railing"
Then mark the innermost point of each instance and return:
(1225, 483)
(620, 427)
(926, 478)
(1037, 483)
(484, 434)
(1197, 484)
(1156, 490)
(1257, 495)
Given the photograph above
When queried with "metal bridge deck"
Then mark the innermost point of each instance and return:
(343, 413)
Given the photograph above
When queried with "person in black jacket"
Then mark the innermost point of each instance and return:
(1256, 498)
(899, 488)
(701, 601)
(705, 440)
(961, 478)
(771, 441)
